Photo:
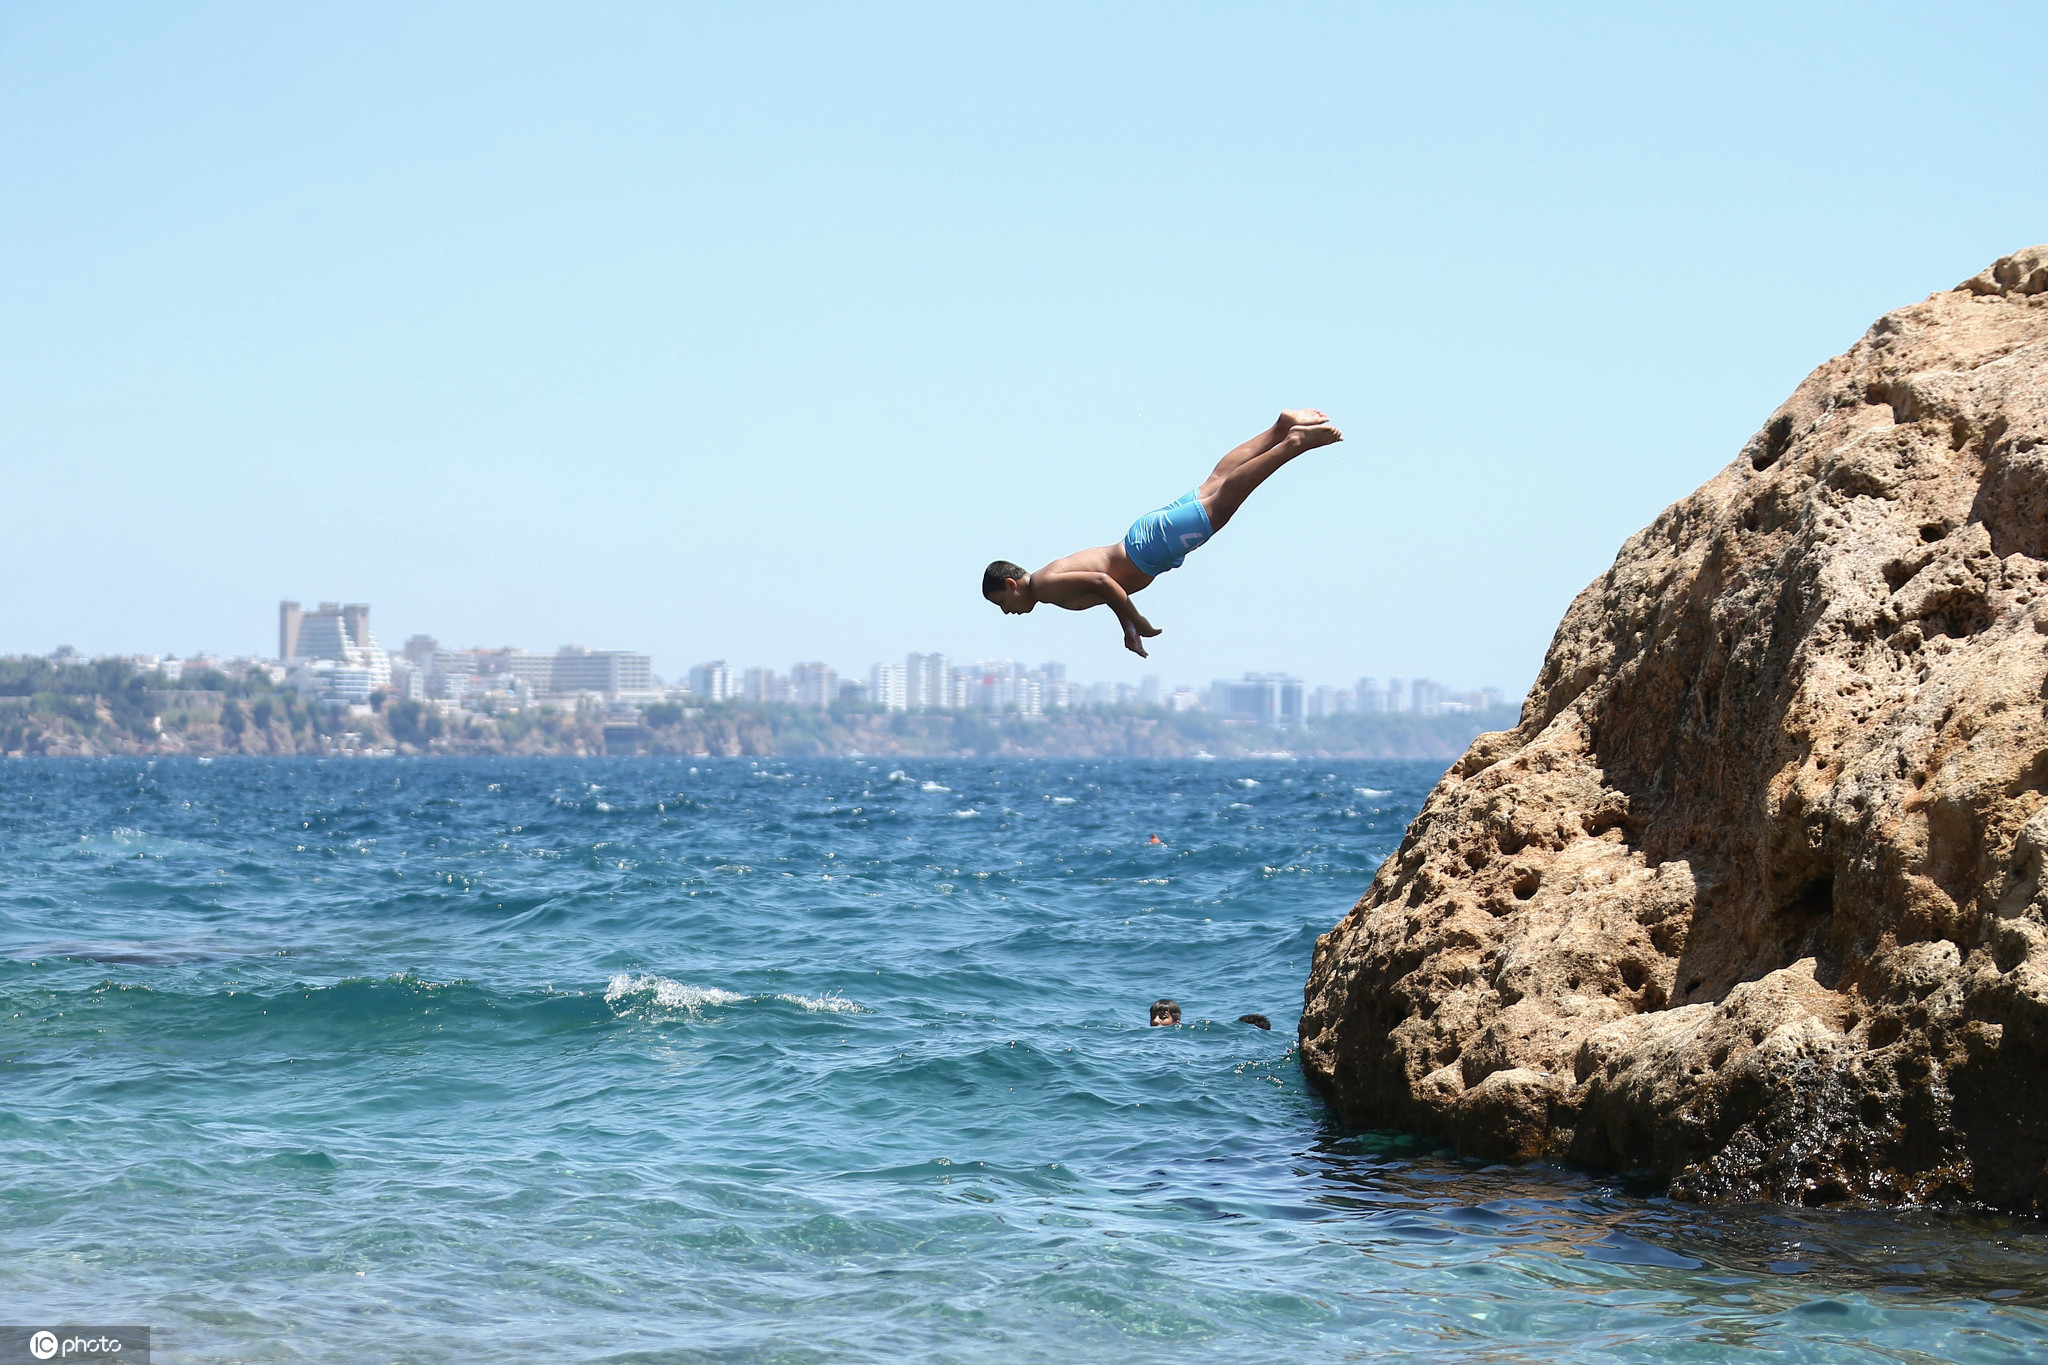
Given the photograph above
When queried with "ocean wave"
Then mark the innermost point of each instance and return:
(135, 843)
(668, 994)
(829, 1003)
(158, 953)
(665, 993)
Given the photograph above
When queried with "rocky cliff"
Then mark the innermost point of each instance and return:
(1753, 895)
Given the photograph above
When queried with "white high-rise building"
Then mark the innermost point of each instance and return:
(964, 689)
(334, 634)
(1271, 698)
(999, 686)
(886, 687)
(764, 684)
(928, 682)
(713, 681)
(813, 684)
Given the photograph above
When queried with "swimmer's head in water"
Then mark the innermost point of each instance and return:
(1165, 1012)
(1003, 584)
(1255, 1020)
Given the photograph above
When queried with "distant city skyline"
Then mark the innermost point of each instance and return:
(331, 652)
(329, 620)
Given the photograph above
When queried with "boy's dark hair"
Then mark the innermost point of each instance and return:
(999, 569)
(1171, 1007)
(1255, 1020)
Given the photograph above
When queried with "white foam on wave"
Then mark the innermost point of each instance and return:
(829, 1003)
(933, 787)
(965, 814)
(1246, 782)
(1061, 800)
(1371, 791)
(134, 843)
(675, 995)
(665, 993)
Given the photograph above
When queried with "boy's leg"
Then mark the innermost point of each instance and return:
(1267, 439)
(1248, 466)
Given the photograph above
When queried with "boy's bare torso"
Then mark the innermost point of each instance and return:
(1071, 581)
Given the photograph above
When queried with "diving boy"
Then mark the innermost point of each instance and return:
(1107, 575)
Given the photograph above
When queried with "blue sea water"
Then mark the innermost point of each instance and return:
(663, 1061)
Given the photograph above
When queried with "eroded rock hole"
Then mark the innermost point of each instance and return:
(1906, 408)
(1811, 906)
(1959, 616)
(1777, 439)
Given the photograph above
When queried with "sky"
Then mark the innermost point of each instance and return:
(754, 331)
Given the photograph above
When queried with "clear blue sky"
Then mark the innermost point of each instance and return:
(754, 331)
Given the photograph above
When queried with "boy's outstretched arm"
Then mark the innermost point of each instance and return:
(1079, 591)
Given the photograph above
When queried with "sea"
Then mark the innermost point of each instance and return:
(674, 1060)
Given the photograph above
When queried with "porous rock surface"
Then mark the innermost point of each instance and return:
(1753, 896)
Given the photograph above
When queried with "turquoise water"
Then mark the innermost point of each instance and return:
(641, 1060)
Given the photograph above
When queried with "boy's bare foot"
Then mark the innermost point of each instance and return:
(1297, 417)
(1308, 437)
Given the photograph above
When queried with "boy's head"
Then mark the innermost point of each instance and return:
(1165, 1012)
(1003, 584)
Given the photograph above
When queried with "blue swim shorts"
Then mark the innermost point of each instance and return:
(1160, 540)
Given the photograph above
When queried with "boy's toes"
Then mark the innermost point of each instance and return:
(1301, 417)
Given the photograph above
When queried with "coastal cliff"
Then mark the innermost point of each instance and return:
(1753, 895)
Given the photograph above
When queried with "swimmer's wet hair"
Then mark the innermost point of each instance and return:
(1255, 1020)
(999, 569)
(1170, 1007)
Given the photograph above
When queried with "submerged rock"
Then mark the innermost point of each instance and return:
(1753, 896)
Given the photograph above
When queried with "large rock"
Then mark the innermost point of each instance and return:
(1753, 895)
